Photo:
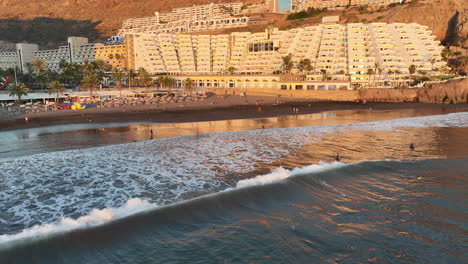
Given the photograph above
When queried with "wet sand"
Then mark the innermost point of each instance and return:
(206, 112)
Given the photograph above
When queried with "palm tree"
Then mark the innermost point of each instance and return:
(38, 65)
(389, 73)
(55, 87)
(432, 61)
(100, 67)
(188, 84)
(90, 81)
(376, 69)
(117, 75)
(412, 69)
(162, 81)
(29, 71)
(380, 72)
(397, 72)
(370, 72)
(131, 75)
(144, 78)
(231, 70)
(305, 64)
(324, 74)
(287, 63)
(71, 73)
(42, 79)
(423, 73)
(18, 90)
(171, 82)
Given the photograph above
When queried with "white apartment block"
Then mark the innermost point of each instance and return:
(77, 50)
(16, 55)
(299, 5)
(343, 52)
(201, 12)
(188, 19)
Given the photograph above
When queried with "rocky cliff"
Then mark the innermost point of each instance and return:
(450, 92)
(447, 19)
(40, 20)
(48, 22)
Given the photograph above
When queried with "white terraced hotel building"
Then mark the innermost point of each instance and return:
(189, 19)
(298, 5)
(77, 50)
(345, 52)
(16, 55)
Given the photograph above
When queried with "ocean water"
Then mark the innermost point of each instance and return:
(272, 195)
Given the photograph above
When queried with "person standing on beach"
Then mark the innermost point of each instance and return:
(337, 157)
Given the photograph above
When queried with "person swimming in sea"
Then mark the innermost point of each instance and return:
(337, 157)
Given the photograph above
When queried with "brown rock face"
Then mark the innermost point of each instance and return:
(446, 18)
(106, 15)
(389, 95)
(451, 92)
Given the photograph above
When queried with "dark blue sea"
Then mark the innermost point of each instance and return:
(237, 193)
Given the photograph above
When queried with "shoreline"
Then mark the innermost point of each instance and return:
(202, 113)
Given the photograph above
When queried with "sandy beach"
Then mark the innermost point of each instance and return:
(232, 107)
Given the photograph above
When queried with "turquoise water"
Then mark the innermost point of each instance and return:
(284, 5)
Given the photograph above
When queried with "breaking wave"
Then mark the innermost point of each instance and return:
(135, 205)
(57, 192)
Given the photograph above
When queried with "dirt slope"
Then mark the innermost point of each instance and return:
(48, 22)
(45, 19)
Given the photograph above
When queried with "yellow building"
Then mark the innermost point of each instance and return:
(115, 55)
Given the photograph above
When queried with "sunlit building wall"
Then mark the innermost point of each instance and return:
(188, 19)
(336, 51)
(77, 50)
(16, 55)
(115, 55)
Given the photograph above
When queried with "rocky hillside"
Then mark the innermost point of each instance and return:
(448, 19)
(48, 22)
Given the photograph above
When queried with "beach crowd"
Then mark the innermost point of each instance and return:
(121, 103)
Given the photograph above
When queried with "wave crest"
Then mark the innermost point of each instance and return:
(95, 218)
(281, 174)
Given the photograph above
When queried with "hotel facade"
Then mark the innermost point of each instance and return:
(189, 19)
(337, 52)
(77, 50)
(16, 55)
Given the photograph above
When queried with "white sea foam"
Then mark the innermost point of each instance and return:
(279, 174)
(95, 218)
(133, 206)
(47, 191)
